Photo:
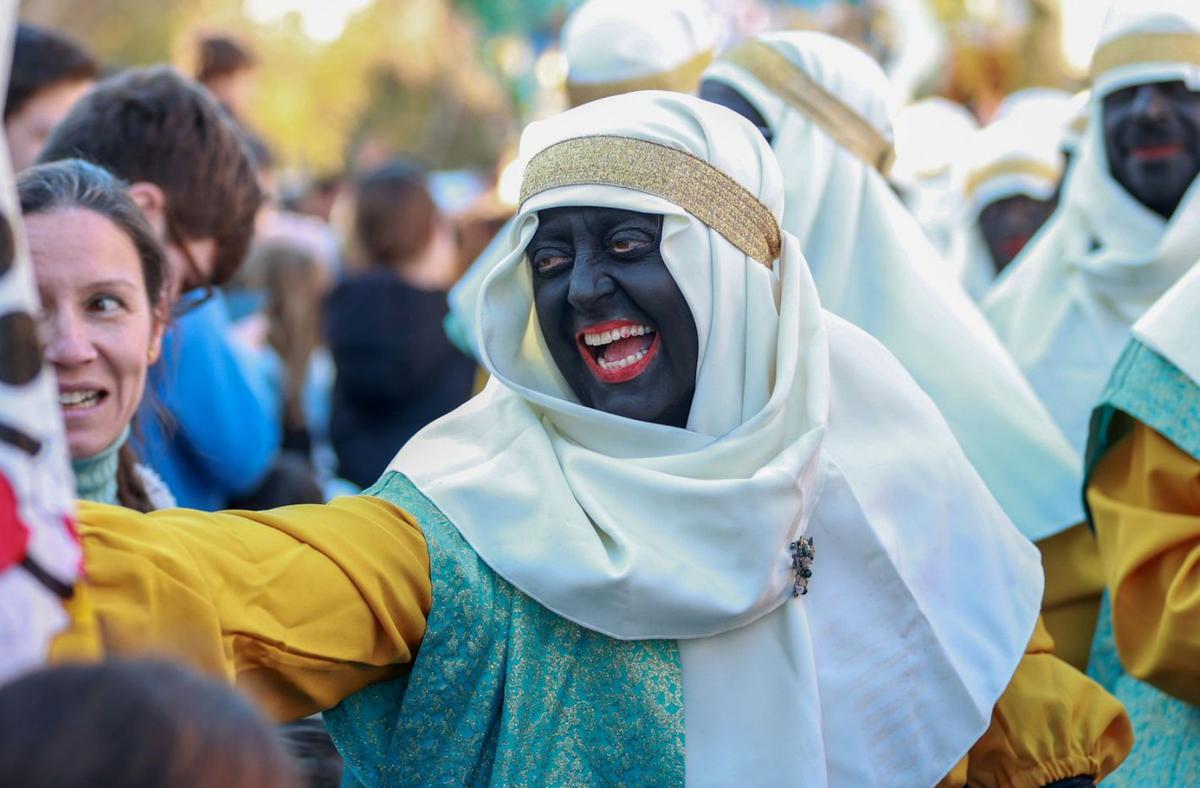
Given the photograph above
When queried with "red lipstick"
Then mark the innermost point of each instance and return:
(634, 344)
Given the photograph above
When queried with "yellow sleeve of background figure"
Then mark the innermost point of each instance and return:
(299, 606)
(1145, 500)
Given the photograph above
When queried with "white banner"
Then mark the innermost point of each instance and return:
(39, 554)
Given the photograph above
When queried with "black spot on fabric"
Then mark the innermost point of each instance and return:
(8, 247)
(20, 354)
(19, 438)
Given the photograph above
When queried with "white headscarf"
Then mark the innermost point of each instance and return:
(618, 46)
(1019, 154)
(1169, 327)
(886, 673)
(931, 135)
(874, 267)
(1103, 258)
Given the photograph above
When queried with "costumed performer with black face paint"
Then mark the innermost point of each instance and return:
(611, 47)
(1126, 229)
(1143, 493)
(695, 529)
(822, 104)
(1011, 174)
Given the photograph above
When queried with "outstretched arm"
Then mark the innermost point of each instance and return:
(299, 606)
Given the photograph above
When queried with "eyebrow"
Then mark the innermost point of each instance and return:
(112, 283)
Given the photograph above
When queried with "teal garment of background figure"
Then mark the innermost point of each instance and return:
(1166, 749)
(505, 692)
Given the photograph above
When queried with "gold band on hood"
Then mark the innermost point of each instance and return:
(1012, 167)
(682, 79)
(783, 78)
(674, 175)
(1146, 48)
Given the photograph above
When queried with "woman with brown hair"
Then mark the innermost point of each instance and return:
(101, 277)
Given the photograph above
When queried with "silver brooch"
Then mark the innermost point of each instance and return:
(802, 558)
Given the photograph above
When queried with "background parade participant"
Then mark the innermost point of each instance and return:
(1127, 227)
(1011, 178)
(822, 104)
(1143, 491)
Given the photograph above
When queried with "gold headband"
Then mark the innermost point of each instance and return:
(847, 127)
(682, 79)
(1036, 169)
(678, 177)
(1146, 48)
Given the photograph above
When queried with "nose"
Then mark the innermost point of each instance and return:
(1151, 103)
(68, 343)
(590, 282)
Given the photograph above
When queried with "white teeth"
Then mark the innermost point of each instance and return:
(607, 337)
(75, 399)
(621, 364)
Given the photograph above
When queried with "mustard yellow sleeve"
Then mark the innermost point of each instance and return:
(1145, 500)
(299, 606)
(1074, 585)
(1052, 723)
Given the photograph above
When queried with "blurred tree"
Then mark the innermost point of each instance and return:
(406, 73)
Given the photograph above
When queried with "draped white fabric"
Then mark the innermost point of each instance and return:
(1103, 258)
(887, 671)
(1019, 154)
(874, 267)
(617, 40)
(1169, 327)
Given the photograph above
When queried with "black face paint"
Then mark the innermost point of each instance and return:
(615, 321)
(1152, 138)
(720, 93)
(1008, 224)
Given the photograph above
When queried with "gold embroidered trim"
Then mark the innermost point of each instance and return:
(1146, 48)
(682, 79)
(677, 176)
(1036, 169)
(847, 127)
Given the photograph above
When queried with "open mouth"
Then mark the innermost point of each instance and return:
(1012, 246)
(80, 400)
(1167, 150)
(619, 350)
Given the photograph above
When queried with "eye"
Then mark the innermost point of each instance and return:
(630, 243)
(105, 304)
(547, 262)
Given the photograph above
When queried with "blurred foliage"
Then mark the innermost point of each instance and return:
(506, 16)
(405, 74)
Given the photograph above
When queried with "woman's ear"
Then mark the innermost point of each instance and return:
(152, 203)
(158, 327)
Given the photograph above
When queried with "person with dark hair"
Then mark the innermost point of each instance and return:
(190, 173)
(396, 370)
(49, 74)
(136, 724)
(226, 67)
(100, 273)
